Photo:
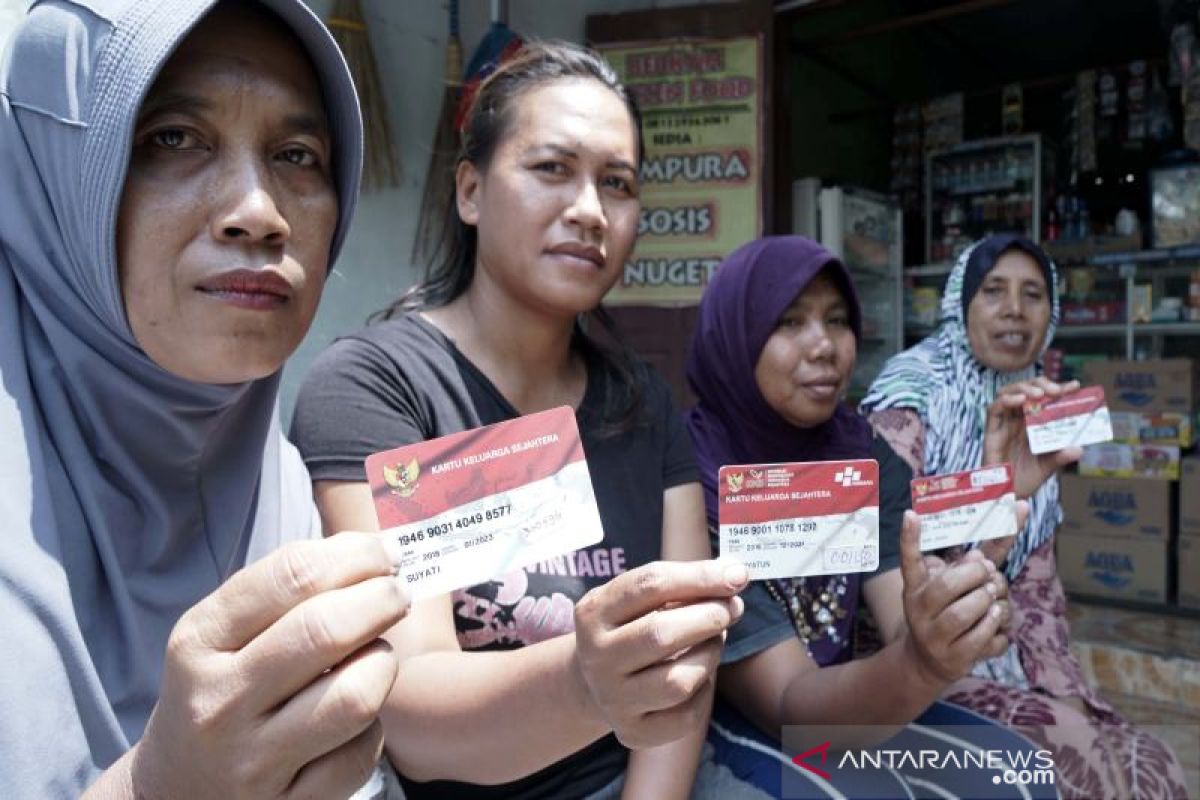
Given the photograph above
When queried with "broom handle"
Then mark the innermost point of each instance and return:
(500, 11)
(454, 59)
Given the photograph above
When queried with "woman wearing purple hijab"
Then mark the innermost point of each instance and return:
(773, 352)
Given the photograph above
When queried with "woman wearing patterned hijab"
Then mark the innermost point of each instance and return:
(178, 176)
(998, 316)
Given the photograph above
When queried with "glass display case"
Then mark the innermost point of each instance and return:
(982, 187)
(865, 230)
(1175, 205)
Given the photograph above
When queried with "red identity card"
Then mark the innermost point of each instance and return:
(1078, 418)
(965, 507)
(473, 505)
(798, 519)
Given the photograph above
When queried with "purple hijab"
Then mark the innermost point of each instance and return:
(732, 422)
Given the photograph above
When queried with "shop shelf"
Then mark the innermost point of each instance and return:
(1189, 252)
(985, 188)
(929, 270)
(1105, 329)
(1140, 329)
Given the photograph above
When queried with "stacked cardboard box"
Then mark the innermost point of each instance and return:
(1151, 404)
(1188, 548)
(1115, 537)
(1188, 564)
(1118, 534)
(1162, 385)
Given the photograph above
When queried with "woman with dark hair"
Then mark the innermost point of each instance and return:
(998, 316)
(178, 177)
(536, 683)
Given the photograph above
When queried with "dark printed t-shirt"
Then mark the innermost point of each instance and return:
(767, 622)
(403, 381)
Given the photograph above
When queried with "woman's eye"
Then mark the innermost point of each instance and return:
(789, 322)
(838, 322)
(173, 139)
(619, 183)
(299, 156)
(551, 168)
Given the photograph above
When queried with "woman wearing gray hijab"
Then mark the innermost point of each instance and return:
(178, 176)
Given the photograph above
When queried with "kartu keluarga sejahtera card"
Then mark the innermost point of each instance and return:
(965, 507)
(797, 519)
(474, 505)
(1078, 418)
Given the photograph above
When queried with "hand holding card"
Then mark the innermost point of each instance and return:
(957, 614)
(650, 640)
(1076, 419)
(1006, 440)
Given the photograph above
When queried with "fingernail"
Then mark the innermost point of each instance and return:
(395, 553)
(996, 610)
(989, 566)
(737, 607)
(991, 588)
(736, 575)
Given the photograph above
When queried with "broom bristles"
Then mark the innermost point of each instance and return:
(439, 176)
(380, 166)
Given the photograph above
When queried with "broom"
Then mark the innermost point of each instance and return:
(436, 194)
(380, 168)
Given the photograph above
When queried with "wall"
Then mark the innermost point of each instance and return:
(409, 41)
(11, 12)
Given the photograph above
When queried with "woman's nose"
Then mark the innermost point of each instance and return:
(587, 209)
(820, 343)
(247, 210)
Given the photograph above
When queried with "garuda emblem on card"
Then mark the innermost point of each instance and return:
(735, 481)
(402, 478)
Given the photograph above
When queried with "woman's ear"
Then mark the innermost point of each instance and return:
(467, 185)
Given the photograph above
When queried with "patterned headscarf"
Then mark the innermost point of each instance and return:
(943, 382)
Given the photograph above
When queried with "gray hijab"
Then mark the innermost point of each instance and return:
(126, 494)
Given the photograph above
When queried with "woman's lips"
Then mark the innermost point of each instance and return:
(1012, 341)
(582, 254)
(821, 390)
(250, 289)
